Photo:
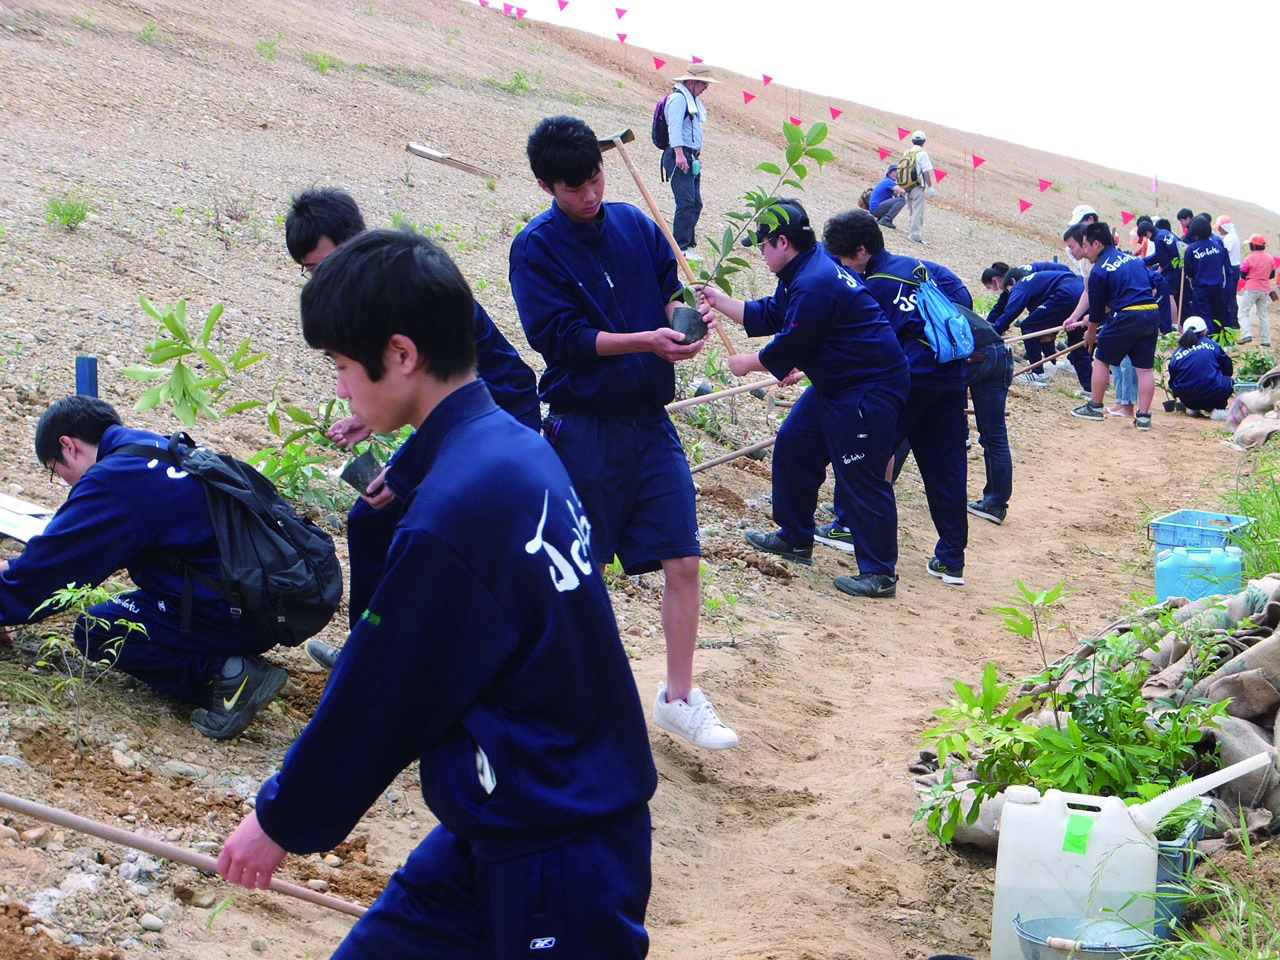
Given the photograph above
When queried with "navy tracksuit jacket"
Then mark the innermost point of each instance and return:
(489, 653)
(512, 383)
(1200, 376)
(826, 323)
(1207, 269)
(122, 509)
(1165, 255)
(933, 418)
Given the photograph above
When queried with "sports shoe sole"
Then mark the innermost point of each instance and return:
(845, 545)
(322, 654)
(994, 518)
(948, 578)
(1085, 416)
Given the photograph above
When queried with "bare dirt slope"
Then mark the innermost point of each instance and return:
(188, 141)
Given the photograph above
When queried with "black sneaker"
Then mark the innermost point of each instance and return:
(887, 223)
(994, 514)
(834, 535)
(1142, 421)
(1089, 411)
(868, 585)
(324, 654)
(772, 543)
(234, 700)
(940, 570)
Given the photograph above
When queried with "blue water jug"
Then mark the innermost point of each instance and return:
(1195, 572)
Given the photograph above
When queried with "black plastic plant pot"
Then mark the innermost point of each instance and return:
(703, 388)
(689, 323)
(1169, 405)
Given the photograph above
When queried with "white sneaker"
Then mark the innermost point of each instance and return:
(1034, 379)
(692, 256)
(695, 720)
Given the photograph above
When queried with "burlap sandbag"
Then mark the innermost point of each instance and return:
(1250, 693)
(1170, 678)
(1170, 649)
(1239, 740)
(1254, 430)
(1263, 656)
(983, 832)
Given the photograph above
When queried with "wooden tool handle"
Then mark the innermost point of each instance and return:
(721, 394)
(1043, 360)
(763, 444)
(666, 231)
(159, 848)
(1032, 336)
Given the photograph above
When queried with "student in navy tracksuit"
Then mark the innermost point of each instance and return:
(933, 419)
(122, 510)
(488, 653)
(318, 222)
(1166, 255)
(1122, 318)
(1200, 370)
(825, 323)
(1207, 271)
(596, 285)
(1048, 296)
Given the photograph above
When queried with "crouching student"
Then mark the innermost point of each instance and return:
(1200, 370)
(826, 324)
(126, 511)
(1048, 295)
(488, 652)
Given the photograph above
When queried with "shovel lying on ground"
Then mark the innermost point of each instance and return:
(158, 848)
(439, 156)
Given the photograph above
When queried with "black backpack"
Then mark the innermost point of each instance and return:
(280, 573)
(659, 133)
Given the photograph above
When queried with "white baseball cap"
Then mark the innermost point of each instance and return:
(918, 137)
(1079, 213)
(1194, 323)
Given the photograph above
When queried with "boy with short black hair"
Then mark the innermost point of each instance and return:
(596, 286)
(488, 651)
(126, 511)
(1122, 318)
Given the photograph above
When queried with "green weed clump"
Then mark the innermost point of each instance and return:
(67, 209)
(1257, 495)
(266, 47)
(150, 33)
(517, 85)
(321, 62)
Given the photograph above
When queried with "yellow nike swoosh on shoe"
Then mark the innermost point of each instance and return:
(230, 704)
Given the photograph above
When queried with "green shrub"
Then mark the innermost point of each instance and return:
(67, 209)
(322, 62)
(266, 47)
(150, 33)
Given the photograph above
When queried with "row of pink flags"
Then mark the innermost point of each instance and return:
(518, 13)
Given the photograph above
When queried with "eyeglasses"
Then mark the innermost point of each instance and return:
(307, 270)
(56, 480)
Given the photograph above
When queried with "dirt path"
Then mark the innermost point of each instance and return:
(795, 845)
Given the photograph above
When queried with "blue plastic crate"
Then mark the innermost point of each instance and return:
(1177, 858)
(1196, 528)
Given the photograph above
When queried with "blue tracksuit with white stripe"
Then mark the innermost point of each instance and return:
(1200, 376)
(825, 323)
(933, 418)
(489, 654)
(117, 516)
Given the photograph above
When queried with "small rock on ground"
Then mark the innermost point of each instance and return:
(150, 922)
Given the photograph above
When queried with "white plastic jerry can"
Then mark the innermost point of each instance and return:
(1069, 855)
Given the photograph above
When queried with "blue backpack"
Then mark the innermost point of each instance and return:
(946, 328)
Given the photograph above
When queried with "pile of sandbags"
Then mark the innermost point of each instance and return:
(1245, 631)
(1253, 415)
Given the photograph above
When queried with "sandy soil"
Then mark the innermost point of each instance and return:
(795, 845)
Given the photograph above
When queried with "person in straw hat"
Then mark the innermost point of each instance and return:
(681, 161)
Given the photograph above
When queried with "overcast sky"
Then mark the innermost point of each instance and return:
(1153, 88)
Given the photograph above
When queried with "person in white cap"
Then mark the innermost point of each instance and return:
(1235, 253)
(915, 175)
(1200, 371)
(681, 161)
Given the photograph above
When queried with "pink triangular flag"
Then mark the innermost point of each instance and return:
(563, 3)
(507, 9)
(1125, 217)
(658, 63)
(795, 121)
(1045, 184)
(747, 97)
(978, 161)
(903, 133)
(695, 59)
(767, 79)
(939, 174)
(835, 114)
(520, 12)
(884, 152)
(620, 12)
(1023, 205)
(622, 38)
(485, 3)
